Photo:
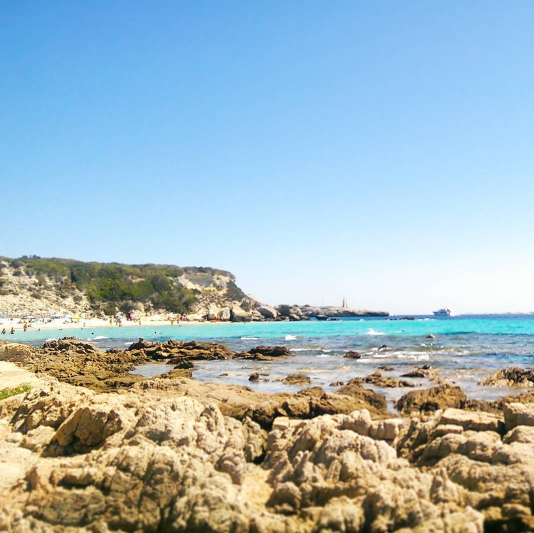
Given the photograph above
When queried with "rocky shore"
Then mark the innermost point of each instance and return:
(90, 447)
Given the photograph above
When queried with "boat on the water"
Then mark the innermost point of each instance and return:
(445, 312)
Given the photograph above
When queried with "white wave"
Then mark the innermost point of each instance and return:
(323, 355)
(382, 355)
(414, 357)
(309, 350)
(371, 331)
(249, 338)
(98, 338)
(50, 340)
(290, 337)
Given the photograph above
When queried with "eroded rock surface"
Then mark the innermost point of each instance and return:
(266, 353)
(439, 397)
(144, 461)
(510, 377)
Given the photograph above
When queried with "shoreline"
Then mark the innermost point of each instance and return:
(18, 324)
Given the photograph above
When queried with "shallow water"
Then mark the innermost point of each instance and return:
(466, 349)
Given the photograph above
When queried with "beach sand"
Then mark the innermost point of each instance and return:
(55, 324)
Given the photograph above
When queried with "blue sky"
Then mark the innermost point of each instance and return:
(377, 150)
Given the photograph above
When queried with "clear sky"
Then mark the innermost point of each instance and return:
(382, 151)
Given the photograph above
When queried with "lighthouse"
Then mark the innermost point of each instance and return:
(345, 304)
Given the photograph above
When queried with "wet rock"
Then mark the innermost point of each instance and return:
(386, 368)
(378, 379)
(422, 372)
(439, 397)
(510, 377)
(431, 336)
(266, 353)
(254, 377)
(383, 347)
(177, 351)
(351, 354)
(297, 379)
(337, 383)
(69, 344)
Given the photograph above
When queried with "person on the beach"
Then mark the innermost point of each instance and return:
(3, 331)
(12, 330)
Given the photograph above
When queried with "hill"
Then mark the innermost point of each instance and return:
(51, 285)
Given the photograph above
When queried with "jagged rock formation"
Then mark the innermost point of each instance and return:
(154, 459)
(172, 454)
(510, 377)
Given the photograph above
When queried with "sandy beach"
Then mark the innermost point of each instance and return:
(55, 324)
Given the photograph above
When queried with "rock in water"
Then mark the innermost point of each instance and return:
(297, 379)
(510, 377)
(266, 353)
(351, 354)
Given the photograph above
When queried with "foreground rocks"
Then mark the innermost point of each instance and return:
(164, 456)
(173, 454)
(145, 461)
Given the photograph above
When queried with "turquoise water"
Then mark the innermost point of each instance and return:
(465, 348)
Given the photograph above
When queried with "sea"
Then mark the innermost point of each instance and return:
(465, 349)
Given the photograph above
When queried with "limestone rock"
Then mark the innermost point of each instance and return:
(297, 379)
(510, 377)
(518, 414)
(267, 311)
(439, 397)
(266, 353)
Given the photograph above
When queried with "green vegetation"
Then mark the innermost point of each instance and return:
(233, 292)
(7, 393)
(113, 286)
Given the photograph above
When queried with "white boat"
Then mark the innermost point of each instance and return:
(443, 312)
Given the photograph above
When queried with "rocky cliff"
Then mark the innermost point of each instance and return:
(33, 285)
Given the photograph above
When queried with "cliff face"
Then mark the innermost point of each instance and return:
(45, 286)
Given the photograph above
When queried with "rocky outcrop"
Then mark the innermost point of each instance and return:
(309, 311)
(510, 377)
(428, 400)
(297, 379)
(149, 460)
(266, 311)
(352, 354)
(425, 371)
(176, 351)
(266, 353)
(378, 379)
